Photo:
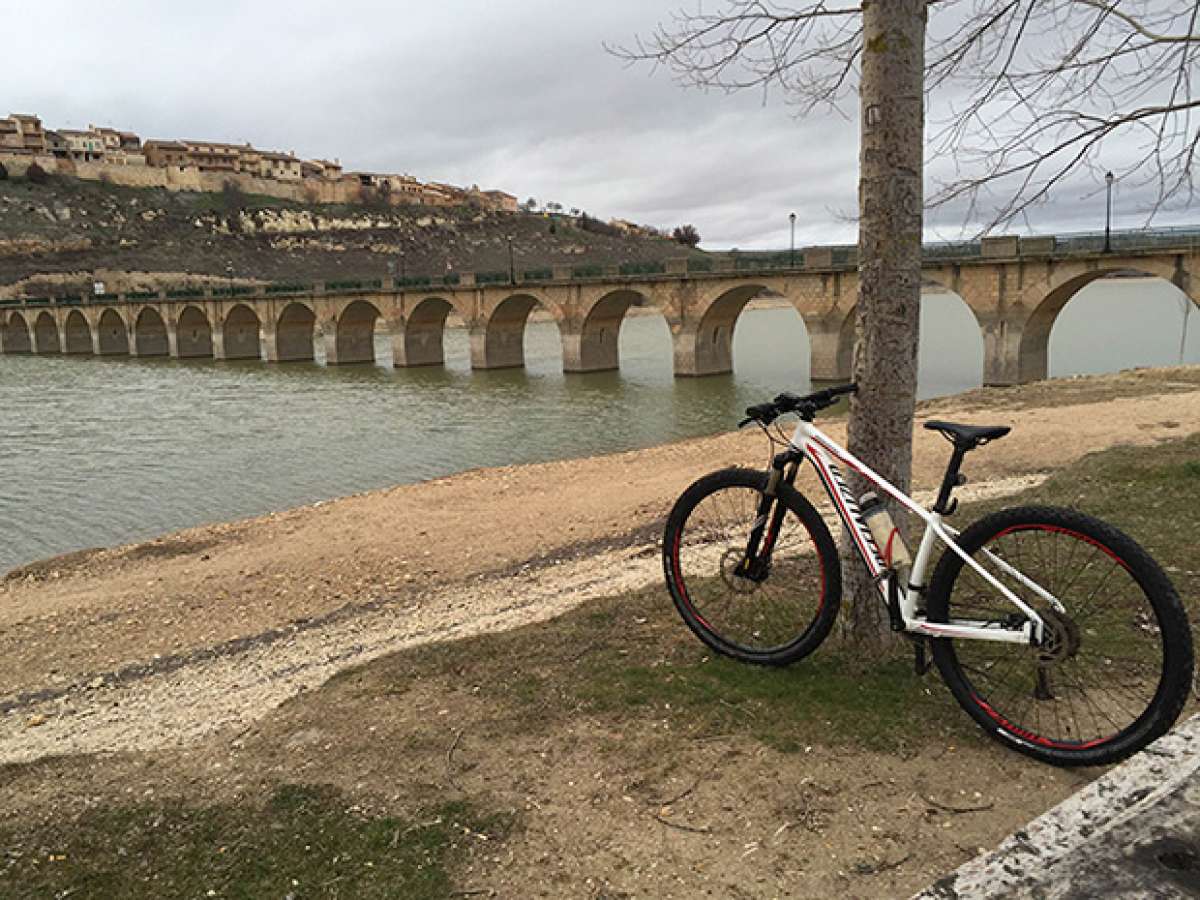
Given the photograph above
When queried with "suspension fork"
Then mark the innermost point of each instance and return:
(769, 518)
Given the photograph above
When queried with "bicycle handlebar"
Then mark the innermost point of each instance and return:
(805, 407)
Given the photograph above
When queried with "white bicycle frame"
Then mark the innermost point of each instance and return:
(825, 454)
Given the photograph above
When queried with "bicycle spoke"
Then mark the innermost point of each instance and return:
(1101, 666)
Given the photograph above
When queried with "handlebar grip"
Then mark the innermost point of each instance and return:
(762, 412)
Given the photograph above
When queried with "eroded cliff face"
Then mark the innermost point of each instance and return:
(66, 232)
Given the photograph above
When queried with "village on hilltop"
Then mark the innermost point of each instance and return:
(121, 157)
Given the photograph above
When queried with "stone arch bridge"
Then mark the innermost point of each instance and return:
(1015, 288)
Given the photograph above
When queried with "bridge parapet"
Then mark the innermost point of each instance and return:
(1015, 286)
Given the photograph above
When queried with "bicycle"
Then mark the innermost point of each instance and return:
(1055, 631)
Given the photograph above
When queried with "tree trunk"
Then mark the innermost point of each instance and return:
(890, 198)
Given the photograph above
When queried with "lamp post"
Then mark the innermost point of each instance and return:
(512, 269)
(1108, 181)
(792, 251)
(229, 275)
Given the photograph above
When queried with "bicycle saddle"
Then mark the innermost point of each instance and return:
(968, 437)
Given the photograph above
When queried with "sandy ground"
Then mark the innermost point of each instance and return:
(155, 644)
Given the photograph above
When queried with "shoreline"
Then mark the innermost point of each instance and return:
(972, 398)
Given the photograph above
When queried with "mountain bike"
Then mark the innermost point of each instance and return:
(1055, 631)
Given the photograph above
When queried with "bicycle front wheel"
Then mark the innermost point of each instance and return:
(1113, 670)
(773, 612)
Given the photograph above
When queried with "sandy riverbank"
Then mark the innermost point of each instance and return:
(433, 558)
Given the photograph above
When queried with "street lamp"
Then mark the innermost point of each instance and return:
(512, 269)
(1108, 180)
(229, 275)
(792, 252)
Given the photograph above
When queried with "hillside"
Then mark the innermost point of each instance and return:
(54, 237)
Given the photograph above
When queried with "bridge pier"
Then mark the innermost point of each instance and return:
(593, 350)
(703, 351)
(1004, 362)
(418, 344)
(831, 339)
(500, 345)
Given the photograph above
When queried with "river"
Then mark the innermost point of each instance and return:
(101, 451)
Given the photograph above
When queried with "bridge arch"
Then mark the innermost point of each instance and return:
(499, 343)
(707, 348)
(77, 332)
(294, 333)
(150, 333)
(1033, 351)
(424, 339)
(354, 334)
(241, 334)
(15, 336)
(45, 334)
(193, 333)
(112, 336)
(595, 347)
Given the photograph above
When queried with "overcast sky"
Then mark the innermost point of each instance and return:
(511, 94)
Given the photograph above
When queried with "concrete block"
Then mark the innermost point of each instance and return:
(999, 247)
(818, 258)
(1037, 246)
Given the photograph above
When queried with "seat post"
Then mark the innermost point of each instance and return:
(949, 481)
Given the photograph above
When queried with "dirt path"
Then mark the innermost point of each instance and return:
(155, 644)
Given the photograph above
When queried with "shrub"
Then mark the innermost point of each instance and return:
(686, 235)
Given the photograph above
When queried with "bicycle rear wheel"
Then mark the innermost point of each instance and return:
(1114, 670)
(777, 613)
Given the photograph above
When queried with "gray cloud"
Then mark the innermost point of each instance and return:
(520, 96)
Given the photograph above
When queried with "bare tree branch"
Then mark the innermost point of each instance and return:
(1023, 94)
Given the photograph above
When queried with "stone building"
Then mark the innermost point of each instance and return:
(22, 132)
(166, 153)
(82, 146)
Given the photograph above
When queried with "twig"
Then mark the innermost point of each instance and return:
(676, 798)
(737, 707)
(956, 809)
(704, 829)
(883, 867)
(473, 892)
(450, 757)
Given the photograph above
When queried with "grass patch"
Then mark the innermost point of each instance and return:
(303, 842)
(630, 663)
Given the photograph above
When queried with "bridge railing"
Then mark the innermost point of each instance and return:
(835, 257)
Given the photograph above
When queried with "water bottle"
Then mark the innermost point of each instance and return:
(886, 534)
